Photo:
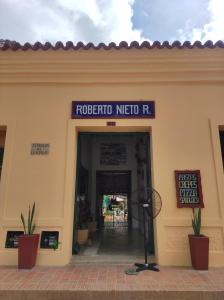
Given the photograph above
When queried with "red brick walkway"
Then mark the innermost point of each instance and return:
(110, 278)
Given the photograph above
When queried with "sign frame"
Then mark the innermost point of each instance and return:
(197, 175)
(12, 239)
(150, 103)
(47, 238)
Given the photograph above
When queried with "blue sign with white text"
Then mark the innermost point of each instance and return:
(112, 110)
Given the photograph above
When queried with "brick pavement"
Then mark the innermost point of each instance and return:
(111, 279)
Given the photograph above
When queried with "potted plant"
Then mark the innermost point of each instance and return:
(199, 244)
(92, 225)
(28, 242)
(55, 245)
(83, 233)
(83, 220)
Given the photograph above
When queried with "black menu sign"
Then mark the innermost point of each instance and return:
(49, 239)
(188, 188)
(12, 239)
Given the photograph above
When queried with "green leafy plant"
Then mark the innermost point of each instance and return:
(30, 227)
(55, 244)
(196, 221)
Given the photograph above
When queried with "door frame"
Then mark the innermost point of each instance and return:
(99, 125)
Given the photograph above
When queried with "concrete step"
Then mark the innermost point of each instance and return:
(111, 295)
(109, 259)
(110, 282)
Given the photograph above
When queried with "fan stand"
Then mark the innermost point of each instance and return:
(146, 265)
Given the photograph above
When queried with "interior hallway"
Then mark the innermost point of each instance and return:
(113, 245)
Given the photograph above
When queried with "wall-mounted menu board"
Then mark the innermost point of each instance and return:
(12, 240)
(188, 188)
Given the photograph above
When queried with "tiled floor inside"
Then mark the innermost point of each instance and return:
(113, 244)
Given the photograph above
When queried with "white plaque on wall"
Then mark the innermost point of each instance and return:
(39, 149)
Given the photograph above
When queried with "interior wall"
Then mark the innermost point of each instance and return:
(91, 144)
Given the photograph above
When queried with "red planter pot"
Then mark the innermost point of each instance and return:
(27, 251)
(199, 249)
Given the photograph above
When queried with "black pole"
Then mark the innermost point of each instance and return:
(144, 235)
(145, 266)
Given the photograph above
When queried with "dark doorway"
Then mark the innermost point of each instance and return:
(2, 146)
(110, 167)
(221, 135)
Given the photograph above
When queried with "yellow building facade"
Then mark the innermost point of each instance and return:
(37, 87)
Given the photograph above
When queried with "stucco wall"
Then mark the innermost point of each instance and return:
(35, 105)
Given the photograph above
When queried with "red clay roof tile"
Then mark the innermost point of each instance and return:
(14, 46)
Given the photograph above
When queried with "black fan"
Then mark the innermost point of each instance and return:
(146, 205)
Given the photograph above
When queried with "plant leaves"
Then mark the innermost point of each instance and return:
(196, 221)
(28, 222)
(24, 224)
(32, 228)
(32, 215)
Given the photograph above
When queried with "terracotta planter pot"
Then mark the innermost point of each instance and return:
(199, 249)
(92, 226)
(82, 236)
(27, 251)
